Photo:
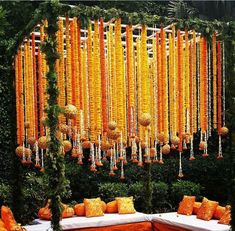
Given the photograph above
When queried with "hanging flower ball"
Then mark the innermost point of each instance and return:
(70, 111)
(161, 137)
(43, 142)
(152, 152)
(166, 149)
(105, 146)
(31, 140)
(112, 125)
(175, 140)
(19, 151)
(113, 134)
(27, 124)
(64, 128)
(86, 144)
(67, 145)
(27, 152)
(224, 131)
(145, 119)
(202, 145)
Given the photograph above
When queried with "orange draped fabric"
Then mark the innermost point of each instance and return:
(143, 226)
(164, 227)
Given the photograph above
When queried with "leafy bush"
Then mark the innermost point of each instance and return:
(181, 188)
(4, 194)
(160, 195)
(108, 191)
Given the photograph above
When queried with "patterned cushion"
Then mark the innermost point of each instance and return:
(226, 218)
(219, 212)
(93, 207)
(196, 207)
(207, 210)
(125, 205)
(186, 205)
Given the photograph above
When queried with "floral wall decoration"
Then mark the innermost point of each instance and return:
(151, 89)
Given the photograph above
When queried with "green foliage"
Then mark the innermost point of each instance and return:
(5, 193)
(159, 201)
(180, 9)
(181, 188)
(108, 191)
(34, 190)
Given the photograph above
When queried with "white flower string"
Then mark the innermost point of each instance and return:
(140, 163)
(180, 175)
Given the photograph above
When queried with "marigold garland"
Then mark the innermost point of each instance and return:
(214, 71)
(112, 82)
(180, 84)
(103, 75)
(97, 79)
(35, 87)
(68, 65)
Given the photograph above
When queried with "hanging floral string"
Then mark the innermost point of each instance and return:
(103, 75)
(214, 81)
(219, 89)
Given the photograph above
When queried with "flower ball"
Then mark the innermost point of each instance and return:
(67, 145)
(145, 119)
(112, 125)
(70, 111)
(166, 149)
(27, 152)
(202, 145)
(19, 151)
(43, 142)
(113, 134)
(86, 144)
(105, 146)
(31, 140)
(175, 140)
(224, 131)
(64, 128)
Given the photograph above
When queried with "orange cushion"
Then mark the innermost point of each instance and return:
(226, 217)
(93, 207)
(125, 205)
(207, 210)
(7, 217)
(44, 213)
(112, 207)
(219, 212)
(196, 207)
(186, 205)
(79, 209)
(67, 212)
(104, 206)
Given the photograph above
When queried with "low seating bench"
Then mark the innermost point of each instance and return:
(173, 221)
(134, 222)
